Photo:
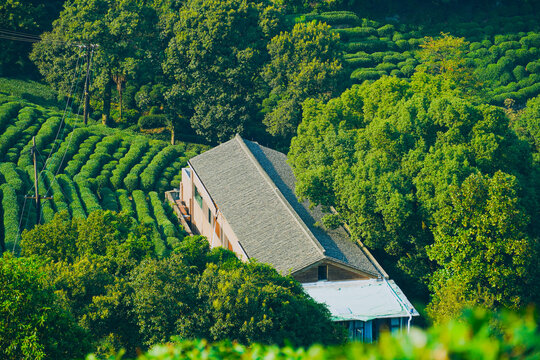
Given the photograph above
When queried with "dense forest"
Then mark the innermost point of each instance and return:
(417, 123)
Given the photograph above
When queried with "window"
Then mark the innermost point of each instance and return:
(210, 216)
(323, 272)
(198, 197)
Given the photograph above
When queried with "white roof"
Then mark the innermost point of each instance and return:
(361, 299)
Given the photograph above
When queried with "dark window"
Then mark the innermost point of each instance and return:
(198, 197)
(209, 216)
(323, 272)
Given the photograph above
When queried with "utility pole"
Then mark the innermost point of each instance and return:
(87, 80)
(37, 197)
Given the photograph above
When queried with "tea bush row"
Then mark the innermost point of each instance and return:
(158, 163)
(133, 156)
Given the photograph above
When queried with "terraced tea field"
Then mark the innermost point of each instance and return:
(84, 168)
(505, 51)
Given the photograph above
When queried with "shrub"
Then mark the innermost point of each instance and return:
(362, 75)
(11, 176)
(85, 150)
(72, 197)
(365, 61)
(89, 199)
(166, 227)
(134, 154)
(8, 112)
(125, 202)
(108, 199)
(67, 149)
(160, 161)
(59, 199)
(10, 207)
(152, 121)
(132, 179)
(144, 216)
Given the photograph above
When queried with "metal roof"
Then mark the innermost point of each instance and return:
(253, 186)
(361, 299)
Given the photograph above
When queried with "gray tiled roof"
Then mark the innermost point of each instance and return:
(253, 186)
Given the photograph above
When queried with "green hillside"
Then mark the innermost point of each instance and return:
(84, 168)
(504, 51)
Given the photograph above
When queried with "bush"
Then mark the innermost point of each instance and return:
(72, 196)
(67, 149)
(144, 216)
(8, 112)
(85, 150)
(125, 202)
(133, 156)
(89, 199)
(11, 176)
(152, 121)
(10, 207)
(166, 227)
(108, 199)
(131, 181)
(158, 163)
(59, 199)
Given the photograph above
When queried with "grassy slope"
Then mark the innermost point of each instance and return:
(84, 167)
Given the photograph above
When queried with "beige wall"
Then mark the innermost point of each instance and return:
(200, 220)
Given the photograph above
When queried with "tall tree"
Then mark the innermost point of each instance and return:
(215, 58)
(33, 322)
(125, 35)
(305, 63)
(482, 246)
(386, 154)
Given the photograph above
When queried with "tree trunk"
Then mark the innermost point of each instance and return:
(172, 134)
(119, 88)
(106, 103)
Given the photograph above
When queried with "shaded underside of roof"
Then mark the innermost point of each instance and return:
(253, 186)
(361, 299)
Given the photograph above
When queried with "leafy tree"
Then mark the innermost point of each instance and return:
(253, 303)
(386, 154)
(92, 260)
(305, 63)
(19, 19)
(482, 246)
(33, 322)
(215, 58)
(198, 293)
(125, 34)
(445, 56)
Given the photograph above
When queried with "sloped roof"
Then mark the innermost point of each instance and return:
(253, 187)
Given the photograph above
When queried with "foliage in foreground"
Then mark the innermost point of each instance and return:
(478, 335)
(100, 278)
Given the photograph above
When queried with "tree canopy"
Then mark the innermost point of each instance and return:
(387, 155)
(117, 292)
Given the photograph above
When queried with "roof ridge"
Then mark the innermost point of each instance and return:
(281, 197)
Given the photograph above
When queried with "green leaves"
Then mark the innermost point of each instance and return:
(305, 63)
(386, 155)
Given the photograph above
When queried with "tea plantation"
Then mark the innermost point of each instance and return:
(84, 168)
(504, 51)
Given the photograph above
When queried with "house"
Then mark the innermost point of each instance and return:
(240, 195)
